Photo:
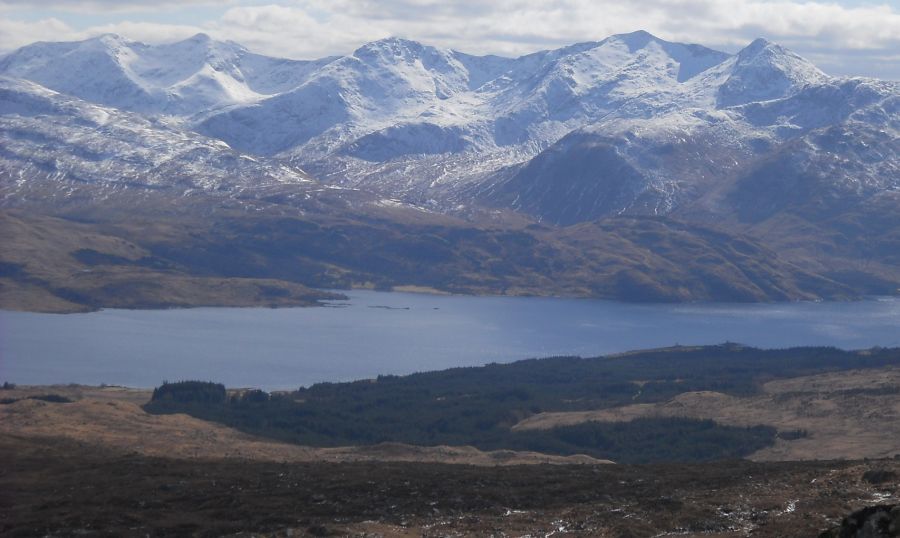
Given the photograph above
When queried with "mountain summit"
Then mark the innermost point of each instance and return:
(763, 71)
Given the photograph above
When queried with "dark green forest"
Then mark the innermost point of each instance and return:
(478, 406)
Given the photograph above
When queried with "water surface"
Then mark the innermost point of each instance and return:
(398, 333)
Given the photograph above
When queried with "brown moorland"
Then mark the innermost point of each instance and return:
(851, 414)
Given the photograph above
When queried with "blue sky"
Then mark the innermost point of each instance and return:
(844, 37)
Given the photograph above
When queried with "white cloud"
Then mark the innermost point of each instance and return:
(105, 6)
(14, 34)
(146, 32)
(843, 39)
(846, 40)
(294, 32)
(17, 33)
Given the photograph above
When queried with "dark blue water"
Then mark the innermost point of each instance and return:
(286, 348)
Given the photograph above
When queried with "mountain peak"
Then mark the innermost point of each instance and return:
(765, 70)
(200, 38)
(109, 36)
(691, 59)
(392, 43)
(394, 39)
(762, 52)
(110, 40)
(206, 44)
(398, 50)
(636, 40)
(758, 46)
(759, 43)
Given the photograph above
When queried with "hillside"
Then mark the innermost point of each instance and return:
(137, 259)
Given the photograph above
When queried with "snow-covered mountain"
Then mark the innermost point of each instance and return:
(183, 78)
(414, 118)
(629, 124)
(703, 157)
(722, 127)
(60, 150)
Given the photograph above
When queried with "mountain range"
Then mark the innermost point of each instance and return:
(760, 143)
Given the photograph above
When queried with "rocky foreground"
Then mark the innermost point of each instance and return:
(61, 488)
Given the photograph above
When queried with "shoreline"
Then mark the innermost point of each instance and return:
(38, 302)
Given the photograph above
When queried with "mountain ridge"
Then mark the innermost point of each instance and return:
(445, 129)
(759, 144)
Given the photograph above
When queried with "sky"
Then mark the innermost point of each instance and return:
(843, 37)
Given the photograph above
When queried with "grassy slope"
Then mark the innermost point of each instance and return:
(859, 246)
(53, 265)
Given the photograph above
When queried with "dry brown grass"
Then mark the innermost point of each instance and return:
(841, 413)
(44, 276)
(112, 417)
